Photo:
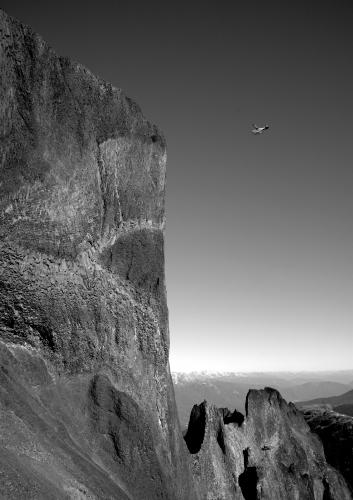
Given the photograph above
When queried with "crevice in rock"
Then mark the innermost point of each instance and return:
(220, 439)
(248, 479)
(196, 430)
(236, 417)
(327, 493)
(247, 403)
(101, 178)
(45, 334)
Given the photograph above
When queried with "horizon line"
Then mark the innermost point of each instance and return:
(340, 370)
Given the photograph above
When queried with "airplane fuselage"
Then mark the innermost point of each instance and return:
(259, 130)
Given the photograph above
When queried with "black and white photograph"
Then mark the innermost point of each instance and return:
(176, 250)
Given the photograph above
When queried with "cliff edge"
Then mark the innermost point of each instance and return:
(86, 398)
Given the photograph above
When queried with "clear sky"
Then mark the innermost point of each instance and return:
(259, 247)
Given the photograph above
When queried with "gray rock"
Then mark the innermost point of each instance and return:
(336, 433)
(86, 399)
(87, 408)
(271, 454)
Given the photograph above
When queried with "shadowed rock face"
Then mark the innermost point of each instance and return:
(336, 433)
(270, 454)
(86, 399)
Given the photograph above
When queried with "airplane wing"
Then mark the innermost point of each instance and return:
(259, 130)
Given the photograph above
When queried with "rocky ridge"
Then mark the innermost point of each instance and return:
(268, 454)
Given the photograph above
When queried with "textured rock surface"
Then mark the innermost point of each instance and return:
(271, 454)
(86, 399)
(336, 433)
(87, 407)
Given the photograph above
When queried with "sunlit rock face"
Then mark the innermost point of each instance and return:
(270, 454)
(87, 407)
(86, 399)
(336, 433)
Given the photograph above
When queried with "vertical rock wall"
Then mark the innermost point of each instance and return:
(86, 399)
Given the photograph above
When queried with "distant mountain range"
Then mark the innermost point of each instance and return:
(230, 389)
(342, 403)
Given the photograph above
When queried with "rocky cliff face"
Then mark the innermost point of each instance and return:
(87, 407)
(270, 454)
(86, 399)
(336, 432)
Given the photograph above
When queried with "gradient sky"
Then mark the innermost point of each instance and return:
(259, 247)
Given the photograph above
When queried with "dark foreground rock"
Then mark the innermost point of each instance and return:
(270, 454)
(336, 433)
(86, 399)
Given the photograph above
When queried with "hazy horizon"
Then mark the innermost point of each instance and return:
(343, 370)
(259, 261)
(271, 372)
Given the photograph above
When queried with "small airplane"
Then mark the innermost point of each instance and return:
(259, 130)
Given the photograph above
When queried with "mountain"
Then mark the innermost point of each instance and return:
(325, 388)
(87, 405)
(345, 409)
(225, 389)
(285, 379)
(269, 453)
(338, 403)
(219, 393)
(86, 398)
